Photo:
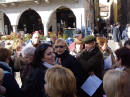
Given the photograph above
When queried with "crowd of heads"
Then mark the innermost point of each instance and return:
(60, 81)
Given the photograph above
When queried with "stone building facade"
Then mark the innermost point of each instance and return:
(46, 11)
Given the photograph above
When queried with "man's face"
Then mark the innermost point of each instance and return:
(36, 38)
(90, 46)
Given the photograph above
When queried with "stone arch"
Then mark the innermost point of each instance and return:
(68, 16)
(7, 25)
(29, 21)
(6, 28)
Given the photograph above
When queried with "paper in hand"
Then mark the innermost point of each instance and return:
(91, 85)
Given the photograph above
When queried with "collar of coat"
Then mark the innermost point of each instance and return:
(62, 56)
(85, 54)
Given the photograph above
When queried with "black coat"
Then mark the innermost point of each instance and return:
(92, 62)
(33, 84)
(69, 61)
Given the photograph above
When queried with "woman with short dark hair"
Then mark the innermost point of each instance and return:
(123, 58)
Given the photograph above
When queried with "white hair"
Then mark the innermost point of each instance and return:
(29, 51)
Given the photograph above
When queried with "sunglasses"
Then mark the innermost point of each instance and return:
(60, 46)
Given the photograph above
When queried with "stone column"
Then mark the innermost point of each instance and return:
(45, 30)
(1, 24)
(14, 28)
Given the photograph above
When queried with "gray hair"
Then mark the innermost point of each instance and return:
(29, 51)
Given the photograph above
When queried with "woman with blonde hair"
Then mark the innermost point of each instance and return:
(78, 47)
(64, 58)
(16, 59)
(17, 63)
(60, 82)
(116, 83)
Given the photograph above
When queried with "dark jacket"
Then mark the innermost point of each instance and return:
(33, 85)
(9, 82)
(69, 61)
(92, 62)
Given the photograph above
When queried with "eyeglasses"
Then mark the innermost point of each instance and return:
(60, 46)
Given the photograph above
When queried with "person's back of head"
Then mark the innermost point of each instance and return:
(5, 54)
(122, 55)
(114, 82)
(60, 82)
(126, 85)
(127, 43)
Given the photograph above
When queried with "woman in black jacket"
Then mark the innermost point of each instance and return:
(64, 58)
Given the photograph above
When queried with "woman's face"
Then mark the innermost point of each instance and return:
(49, 56)
(78, 47)
(60, 48)
(28, 58)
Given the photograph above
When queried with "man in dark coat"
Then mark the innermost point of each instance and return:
(91, 60)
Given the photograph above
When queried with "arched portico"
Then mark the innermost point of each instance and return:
(5, 25)
(61, 19)
(30, 21)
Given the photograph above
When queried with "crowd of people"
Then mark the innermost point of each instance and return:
(56, 69)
